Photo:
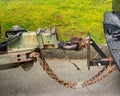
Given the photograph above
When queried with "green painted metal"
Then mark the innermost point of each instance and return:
(116, 5)
(25, 42)
(49, 37)
(20, 48)
(43, 38)
(50, 41)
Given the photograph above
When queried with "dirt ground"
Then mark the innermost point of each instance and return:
(17, 82)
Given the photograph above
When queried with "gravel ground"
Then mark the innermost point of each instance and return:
(17, 82)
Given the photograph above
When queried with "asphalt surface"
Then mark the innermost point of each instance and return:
(17, 82)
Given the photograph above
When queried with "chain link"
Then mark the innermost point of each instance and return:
(99, 76)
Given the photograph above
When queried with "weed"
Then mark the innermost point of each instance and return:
(75, 16)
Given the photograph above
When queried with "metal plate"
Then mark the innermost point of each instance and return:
(111, 24)
(25, 42)
(88, 52)
(12, 58)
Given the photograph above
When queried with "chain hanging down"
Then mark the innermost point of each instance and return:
(99, 76)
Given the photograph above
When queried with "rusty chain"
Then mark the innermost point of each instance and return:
(99, 76)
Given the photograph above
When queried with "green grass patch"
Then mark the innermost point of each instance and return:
(75, 16)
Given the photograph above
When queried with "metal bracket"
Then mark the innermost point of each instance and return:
(99, 62)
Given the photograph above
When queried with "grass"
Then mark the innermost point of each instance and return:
(75, 16)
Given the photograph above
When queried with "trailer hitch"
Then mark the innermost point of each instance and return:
(81, 43)
(26, 53)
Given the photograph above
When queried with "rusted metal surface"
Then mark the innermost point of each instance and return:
(88, 52)
(15, 59)
(99, 76)
(43, 38)
(102, 62)
(74, 44)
